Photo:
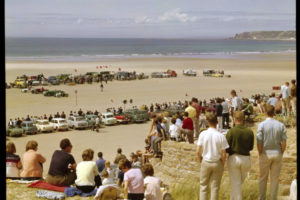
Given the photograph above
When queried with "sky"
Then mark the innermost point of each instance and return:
(146, 18)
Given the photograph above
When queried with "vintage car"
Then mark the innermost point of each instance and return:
(156, 75)
(35, 82)
(136, 115)
(125, 76)
(140, 76)
(62, 77)
(107, 75)
(213, 73)
(29, 128)
(20, 83)
(91, 119)
(38, 90)
(77, 122)
(14, 132)
(93, 74)
(44, 82)
(172, 110)
(59, 124)
(55, 93)
(122, 118)
(53, 80)
(25, 90)
(172, 73)
(189, 72)
(43, 125)
(108, 118)
(166, 75)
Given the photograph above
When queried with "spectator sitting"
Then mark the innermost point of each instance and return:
(152, 184)
(111, 172)
(100, 162)
(247, 108)
(135, 162)
(106, 180)
(62, 166)
(119, 156)
(13, 161)
(32, 160)
(87, 173)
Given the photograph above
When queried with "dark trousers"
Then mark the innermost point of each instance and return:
(225, 119)
(90, 188)
(133, 196)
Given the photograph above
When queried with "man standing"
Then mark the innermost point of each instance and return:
(236, 103)
(225, 113)
(219, 110)
(271, 143)
(285, 92)
(272, 100)
(241, 141)
(293, 97)
(211, 151)
(197, 107)
(187, 128)
(62, 166)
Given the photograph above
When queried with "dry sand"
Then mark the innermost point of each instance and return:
(250, 75)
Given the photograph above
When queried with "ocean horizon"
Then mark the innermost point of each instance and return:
(96, 49)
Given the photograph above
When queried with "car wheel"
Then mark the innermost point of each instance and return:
(67, 129)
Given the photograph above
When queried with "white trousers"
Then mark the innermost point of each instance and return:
(238, 168)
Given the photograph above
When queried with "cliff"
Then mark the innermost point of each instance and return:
(266, 35)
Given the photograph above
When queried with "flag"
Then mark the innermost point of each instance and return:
(186, 94)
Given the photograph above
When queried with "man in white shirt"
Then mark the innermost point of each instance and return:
(236, 104)
(285, 92)
(211, 151)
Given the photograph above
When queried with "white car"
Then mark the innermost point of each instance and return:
(108, 118)
(43, 125)
(189, 72)
(59, 124)
(44, 82)
(77, 122)
(35, 83)
(166, 75)
(25, 90)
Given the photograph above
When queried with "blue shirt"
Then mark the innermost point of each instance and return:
(100, 164)
(272, 101)
(270, 134)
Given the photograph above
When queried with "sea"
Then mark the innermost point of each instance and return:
(101, 49)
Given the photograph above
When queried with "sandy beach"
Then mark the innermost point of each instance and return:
(250, 74)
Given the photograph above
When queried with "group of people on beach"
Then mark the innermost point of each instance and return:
(134, 175)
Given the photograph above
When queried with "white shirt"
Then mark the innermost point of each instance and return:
(212, 142)
(225, 107)
(285, 91)
(107, 181)
(97, 120)
(174, 131)
(236, 102)
(152, 191)
(86, 172)
(178, 122)
(293, 190)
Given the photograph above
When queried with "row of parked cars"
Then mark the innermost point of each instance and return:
(78, 122)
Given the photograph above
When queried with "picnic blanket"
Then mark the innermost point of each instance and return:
(47, 186)
(72, 191)
(49, 194)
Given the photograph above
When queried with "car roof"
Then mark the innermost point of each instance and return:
(58, 118)
(107, 113)
(42, 120)
(27, 122)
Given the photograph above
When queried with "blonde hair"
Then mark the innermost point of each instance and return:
(107, 163)
(32, 144)
(104, 174)
(211, 118)
(239, 116)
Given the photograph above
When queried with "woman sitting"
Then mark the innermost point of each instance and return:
(33, 168)
(13, 161)
(87, 173)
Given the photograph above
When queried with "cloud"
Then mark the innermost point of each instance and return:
(176, 16)
(143, 20)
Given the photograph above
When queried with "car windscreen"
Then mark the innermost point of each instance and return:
(44, 123)
(79, 119)
(109, 116)
(62, 121)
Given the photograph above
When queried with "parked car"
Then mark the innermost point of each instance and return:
(59, 124)
(122, 118)
(140, 76)
(156, 75)
(14, 132)
(25, 90)
(166, 75)
(43, 125)
(28, 128)
(44, 82)
(35, 82)
(53, 80)
(38, 90)
(172, 73)
(189, 72)
(136, 115)
(20, 83)
(91, 119)
(108, 118)
(77, 122)
(55, 93)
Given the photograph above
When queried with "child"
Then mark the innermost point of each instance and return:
(110, 171)
(174, 130)
(106, 180)
(152, 184)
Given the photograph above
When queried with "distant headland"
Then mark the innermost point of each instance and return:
(266, 35)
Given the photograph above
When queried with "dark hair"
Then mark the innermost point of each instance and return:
(119, 150)
(87, 155)
(64, 143)
(186, 114)
(173, 120)
(100, 154)
(148, 169)
(124, 163)
(293, 81)
(10, 147)
(211, 118)
(233, 92)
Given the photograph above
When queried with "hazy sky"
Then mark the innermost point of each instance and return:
(146, 18)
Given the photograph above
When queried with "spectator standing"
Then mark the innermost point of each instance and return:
(271, 143)
(13, 161)
(32, 161)
(225, 113)
(285, 92)
(236, 103)
(174, 130)
(273, 100)
(133, 181)
(188, 128)
(10, 123)
(211, 151)
(219, 110)
(63, 115)
(192, 114)
(294, 97)
(62, 166)
(87, 173)
(241, 141)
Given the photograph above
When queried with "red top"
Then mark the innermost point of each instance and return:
(188, 124)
